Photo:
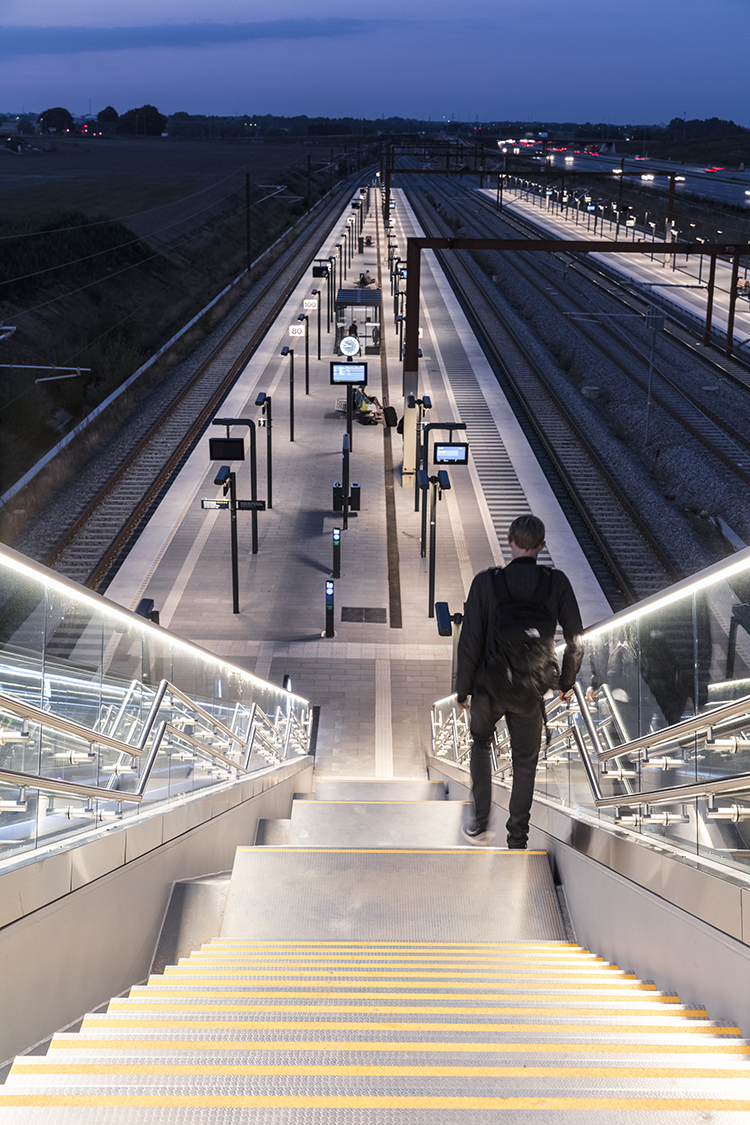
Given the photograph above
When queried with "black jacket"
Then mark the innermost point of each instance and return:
(522, 578)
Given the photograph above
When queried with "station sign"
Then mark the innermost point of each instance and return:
(226, 448)
(320, 271)
(348, 373)
(242, 505)
(296, 330)
(310, 304)
(451, 453)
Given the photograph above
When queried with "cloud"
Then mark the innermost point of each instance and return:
(16, 41)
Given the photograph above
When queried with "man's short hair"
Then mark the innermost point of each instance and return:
(527, 532)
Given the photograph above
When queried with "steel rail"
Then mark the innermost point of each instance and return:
(529, 266)
(480, 324)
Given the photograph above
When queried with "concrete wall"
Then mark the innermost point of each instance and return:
(82, 925)
(665, 917)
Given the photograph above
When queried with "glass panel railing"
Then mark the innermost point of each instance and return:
(657, 735)
(104, 714)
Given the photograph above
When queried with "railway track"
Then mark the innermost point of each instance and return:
(632, 555)
(715, 431)
(108, 502)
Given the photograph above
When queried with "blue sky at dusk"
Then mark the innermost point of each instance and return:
(516, 59)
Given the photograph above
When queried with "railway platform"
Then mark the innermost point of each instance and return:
(672, 279)
(377, 678)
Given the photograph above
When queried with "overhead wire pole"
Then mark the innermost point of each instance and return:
(732, 301)
(247, 220)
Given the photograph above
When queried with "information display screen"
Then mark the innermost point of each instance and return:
(451, 453)
(343, 373)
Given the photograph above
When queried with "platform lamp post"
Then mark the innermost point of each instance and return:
(420, 404)
(264, 401)
(250, 423)
(331, 291)
(350, 223)
(228, 481)
(440, 484)
(317, 294)
(306, 318)
(290, 352)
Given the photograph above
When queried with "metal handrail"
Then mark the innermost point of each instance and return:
(679, 730)
(71, 788)
(92, 738)
(678, 794)
(205, 715)
(201, 747)
(66, 726)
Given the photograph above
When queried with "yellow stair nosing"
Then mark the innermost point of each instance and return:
(366, 1101)
(365, 1070)
(73, 1042)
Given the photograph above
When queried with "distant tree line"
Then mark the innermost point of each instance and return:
(146, 120)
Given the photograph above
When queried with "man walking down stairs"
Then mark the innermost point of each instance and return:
(372, 968)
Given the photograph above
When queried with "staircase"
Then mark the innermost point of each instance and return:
(372, 968)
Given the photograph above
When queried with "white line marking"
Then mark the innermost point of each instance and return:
(383, 720)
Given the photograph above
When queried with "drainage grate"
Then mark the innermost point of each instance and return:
(364, 613)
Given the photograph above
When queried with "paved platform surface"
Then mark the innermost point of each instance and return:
(374, 681)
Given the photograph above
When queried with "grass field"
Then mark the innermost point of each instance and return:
(129, 178)
(106, 296)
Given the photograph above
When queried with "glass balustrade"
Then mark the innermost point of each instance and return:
(657, 735)
(104, 715)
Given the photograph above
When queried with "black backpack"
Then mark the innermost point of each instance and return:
(520, 660)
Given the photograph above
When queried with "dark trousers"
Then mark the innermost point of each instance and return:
(525, 729)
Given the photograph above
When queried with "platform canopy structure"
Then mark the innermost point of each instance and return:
(359, 308)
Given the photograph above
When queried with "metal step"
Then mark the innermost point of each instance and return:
(301, 1080)
(103, 1110)
(272, 832)
(397, 895)
(406, 824)
(394, 790)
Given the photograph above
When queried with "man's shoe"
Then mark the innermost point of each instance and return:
(476, 835)
(514, 846)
